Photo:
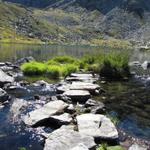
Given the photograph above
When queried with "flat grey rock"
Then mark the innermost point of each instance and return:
(63, 118)
(97, 126)
(82, 77)
(4, 78)
(78, 86)
(84, 86)
(77, 95)
(45, 112)
(67, 139)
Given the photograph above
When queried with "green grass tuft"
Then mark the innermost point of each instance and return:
(112, 66)
(34, 68)
(64, 59)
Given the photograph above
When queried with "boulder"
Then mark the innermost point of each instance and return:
(77, 95)
(4, 78)
(96, 107)
(25, 60)
(3, 96)
(68, 139)
(48, 110)
(97, 126)
(92, 102)
(63, 118)
(137, 147)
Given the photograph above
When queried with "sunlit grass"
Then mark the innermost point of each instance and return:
(112, 65)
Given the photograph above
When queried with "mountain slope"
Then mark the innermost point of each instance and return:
(79, 21)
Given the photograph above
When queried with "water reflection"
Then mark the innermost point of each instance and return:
(43, 52)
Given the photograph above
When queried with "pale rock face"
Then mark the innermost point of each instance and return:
(97, 126)
(66, 138)
(45, 112)
(4, 78)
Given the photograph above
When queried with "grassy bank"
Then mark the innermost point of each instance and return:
(112, 66)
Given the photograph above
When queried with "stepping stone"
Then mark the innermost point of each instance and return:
(79, 86)
(48, 110)
(97, 126)
(63, 118)
(82, 77)
(67, 139)
(84, 86)
(77, 95)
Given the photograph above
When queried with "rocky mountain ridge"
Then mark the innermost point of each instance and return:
(84, 20)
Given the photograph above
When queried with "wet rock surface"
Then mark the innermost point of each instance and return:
(97, 126)
(49, 109)
(44, 111)
(77, 95)
(67, 139)
(4, 78)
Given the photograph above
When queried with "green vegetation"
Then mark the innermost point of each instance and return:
(104, 146)
(112, 65)
(34, 68)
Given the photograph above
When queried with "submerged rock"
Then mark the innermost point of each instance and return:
(25, 60)
(97, 126)
(3, 96)
(49, 109)
(78, 95)
(18, 90)
(68, 139)
(42, 88)
(4, 78)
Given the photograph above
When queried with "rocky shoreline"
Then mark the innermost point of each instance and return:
(78, 122)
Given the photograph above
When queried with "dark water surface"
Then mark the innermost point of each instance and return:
(129, 101)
